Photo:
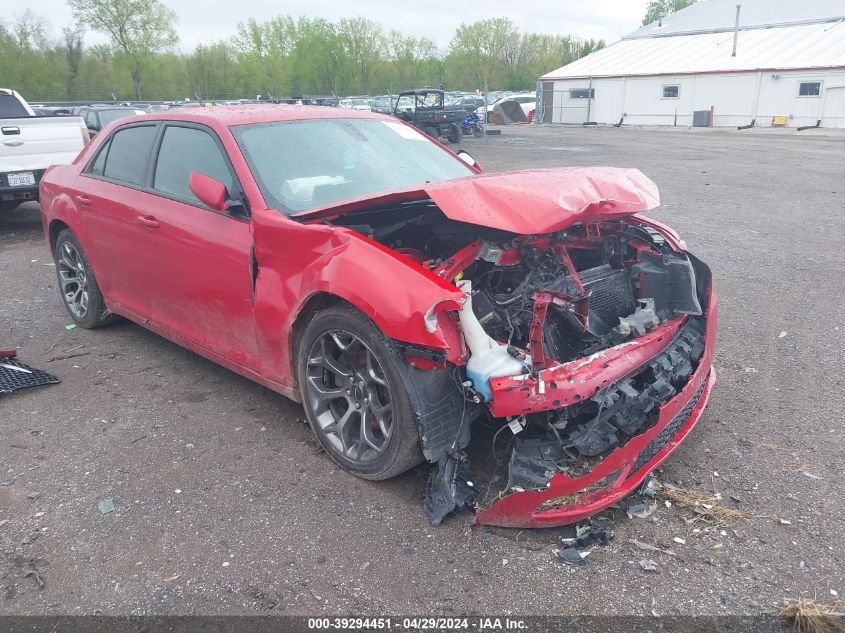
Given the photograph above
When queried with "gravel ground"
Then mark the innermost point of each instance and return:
(224, 504)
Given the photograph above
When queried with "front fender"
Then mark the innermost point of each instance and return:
(296, 261)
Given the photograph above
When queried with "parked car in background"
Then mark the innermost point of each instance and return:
(29, 144)
(99, 116)
(355, 103)
(383, 104)
(349, 262)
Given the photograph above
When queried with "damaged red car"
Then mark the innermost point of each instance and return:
(530, 334)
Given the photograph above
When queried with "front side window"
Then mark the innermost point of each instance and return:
(302, 165)
(184, 150)
(128, 154)
(671, 91)
(809, 89)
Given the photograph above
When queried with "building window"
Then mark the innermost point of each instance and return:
(672, 91)
(809, 89)
(582, 93)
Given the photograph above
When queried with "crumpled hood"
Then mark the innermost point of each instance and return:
(525, 202)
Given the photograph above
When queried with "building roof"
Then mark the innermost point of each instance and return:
(791, 34)
(708, 16)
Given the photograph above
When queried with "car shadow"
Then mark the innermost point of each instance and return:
(21, 223)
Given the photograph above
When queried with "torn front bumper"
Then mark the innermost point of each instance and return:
(567, 499)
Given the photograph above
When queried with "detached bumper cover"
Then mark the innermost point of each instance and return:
(571, 499)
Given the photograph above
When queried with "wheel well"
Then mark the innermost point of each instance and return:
(56, 227)
(316, 302)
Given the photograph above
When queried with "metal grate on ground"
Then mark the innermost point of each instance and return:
(14, 376)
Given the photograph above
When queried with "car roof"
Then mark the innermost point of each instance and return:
(257, 113)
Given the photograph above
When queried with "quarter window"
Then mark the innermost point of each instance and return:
(809, 89)
(98, 166)
(128, 154)
(672, 91)
(185, 150)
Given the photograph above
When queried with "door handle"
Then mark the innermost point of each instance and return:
(148, 221)
(83, 200)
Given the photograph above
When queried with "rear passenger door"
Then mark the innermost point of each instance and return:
(196, 262)
(108, 191)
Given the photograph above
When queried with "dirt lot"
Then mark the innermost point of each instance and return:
(224, 504)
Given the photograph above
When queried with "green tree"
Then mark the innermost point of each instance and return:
(408, 55)
(138, 29)
(364, 44)
(481, 47)
(658, 9)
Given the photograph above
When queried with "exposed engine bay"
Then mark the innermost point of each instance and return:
(536, 305)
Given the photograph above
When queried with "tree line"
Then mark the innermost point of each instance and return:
(281, 57)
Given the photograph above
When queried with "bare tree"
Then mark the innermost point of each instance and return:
(138, 29)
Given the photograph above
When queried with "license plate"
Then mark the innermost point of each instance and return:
(22, 179)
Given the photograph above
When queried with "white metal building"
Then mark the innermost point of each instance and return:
(789, 62)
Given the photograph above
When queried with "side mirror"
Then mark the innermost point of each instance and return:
(212, 193)
(469, 160)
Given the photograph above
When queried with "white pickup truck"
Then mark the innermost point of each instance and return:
(30, 144)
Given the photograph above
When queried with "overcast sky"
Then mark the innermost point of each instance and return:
(202, 21)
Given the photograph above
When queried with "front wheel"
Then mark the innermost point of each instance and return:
(354, 396)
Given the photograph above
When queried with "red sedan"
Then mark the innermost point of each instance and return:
(409, 302)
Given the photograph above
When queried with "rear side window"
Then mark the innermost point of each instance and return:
(185, 150)
(11, 108)
(128, 153)
(99, 163)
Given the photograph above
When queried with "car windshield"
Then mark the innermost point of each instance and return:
(302, 165)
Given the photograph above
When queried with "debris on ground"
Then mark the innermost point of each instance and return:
(32, 537)
(571, 555)
(808, 616)
(704, 505)
(647, 547)
(679, 540)
(648, 565)
(587, 534)
(34, 495)
(105, 506)
(36, 574)
(14, 375)
(642, 510)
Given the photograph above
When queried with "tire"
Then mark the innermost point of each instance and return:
(359, 444)
(454, 135)
(477, 130)
(78, 285)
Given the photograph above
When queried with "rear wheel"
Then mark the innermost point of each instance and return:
(354, 396)
(477, 130)
(454, 133)
(80, 291)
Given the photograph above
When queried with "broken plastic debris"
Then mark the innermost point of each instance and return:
(648, 565)
(679, 540)
(750, 370)
(105, 506)
(785, 522)
(642, 510)
(810, 475)
(70, 326)
(782, 334)
(571, 555)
